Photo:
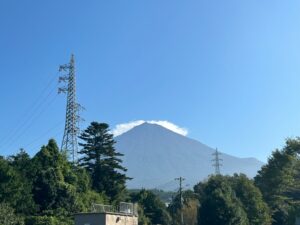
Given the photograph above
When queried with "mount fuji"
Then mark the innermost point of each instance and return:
(155, 156)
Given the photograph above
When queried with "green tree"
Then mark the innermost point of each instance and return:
(251, 198)
(8, 216)
(189, 208)
(14, 189)
(219, 205)
(142, 219)
(51, 191)
(45, 189)
(278, 181)
(102, 161)
(152, 206)
(21, 163)
(48, 220)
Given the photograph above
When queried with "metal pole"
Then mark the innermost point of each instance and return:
(181, 179)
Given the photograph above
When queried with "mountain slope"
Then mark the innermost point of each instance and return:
(155, 155)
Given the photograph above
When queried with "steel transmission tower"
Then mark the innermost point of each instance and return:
(69, 142)
(217, 162)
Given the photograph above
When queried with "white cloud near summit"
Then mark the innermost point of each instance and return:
(124, 127)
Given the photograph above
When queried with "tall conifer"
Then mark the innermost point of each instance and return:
(103, 162)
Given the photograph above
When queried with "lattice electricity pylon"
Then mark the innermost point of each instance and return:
(69, 142)
(217, 161)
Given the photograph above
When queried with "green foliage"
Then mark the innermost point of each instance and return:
(53, 187)
(8, 216)
(101, 160)
(89, 197)
(227, 199)
(153, 207)
(189, 208)
(14, 188)
(279, 183)
(143, 219)
(47, 220)
(46, 189)
(165, 196)
(219, 205)
(251, 198)
(59, 186)
(22, 165)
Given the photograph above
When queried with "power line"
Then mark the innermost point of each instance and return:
(29, 113)
(30, 121)
(59, 133)
(44, 134)
(162, 186)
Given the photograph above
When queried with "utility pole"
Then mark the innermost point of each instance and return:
(180, 179)
(69, 142)
(217, 161)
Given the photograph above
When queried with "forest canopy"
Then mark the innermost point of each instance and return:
(47, 189)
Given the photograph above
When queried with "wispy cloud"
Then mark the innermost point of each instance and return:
(124, 127)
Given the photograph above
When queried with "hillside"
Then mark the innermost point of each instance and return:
(155, 155)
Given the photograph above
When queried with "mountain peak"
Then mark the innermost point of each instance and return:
(154, 155)
(147, 129)
(147, 125)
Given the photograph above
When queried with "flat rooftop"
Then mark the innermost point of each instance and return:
(105, 213)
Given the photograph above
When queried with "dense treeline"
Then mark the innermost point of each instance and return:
(47, 189)
(271, 198)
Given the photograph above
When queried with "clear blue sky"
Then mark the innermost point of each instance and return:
(229, 71)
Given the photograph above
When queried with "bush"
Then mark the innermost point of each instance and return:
(47, 220)
(8, 216)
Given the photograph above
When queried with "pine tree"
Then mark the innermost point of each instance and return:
(102, 161)
(279, 179)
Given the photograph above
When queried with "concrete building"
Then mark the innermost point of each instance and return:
(106, 215)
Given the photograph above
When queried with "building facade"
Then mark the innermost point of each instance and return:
(107, 215)
(105, 218)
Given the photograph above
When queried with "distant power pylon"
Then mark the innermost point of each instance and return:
(217, 162)
(69, 142)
